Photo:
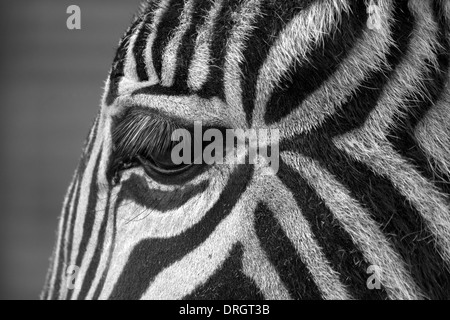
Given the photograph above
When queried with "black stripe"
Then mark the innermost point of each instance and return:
(271, 21)
(214, 84)
(101, 284)
(89, 217)
(117, 71)
(62, 259)
(137, 191)
(186, 50)
(99, 249)
(151, 256)
(434, 81)
(307, 75)
(284, 257)
(229, 282)
(141, 41)
(168, 22)
(337, 245)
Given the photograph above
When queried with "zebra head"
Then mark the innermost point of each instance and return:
(358, 206)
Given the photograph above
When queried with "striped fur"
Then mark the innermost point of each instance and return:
(364, 167)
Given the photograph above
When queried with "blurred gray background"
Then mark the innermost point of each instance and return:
(51, 84)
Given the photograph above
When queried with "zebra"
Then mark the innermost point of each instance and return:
(363, 116)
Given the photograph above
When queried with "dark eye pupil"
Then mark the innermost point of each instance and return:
(164, 161)
(162, 164)
(162, 157)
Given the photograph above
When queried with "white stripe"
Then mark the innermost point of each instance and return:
(104, 130)
(195, 268)
(256, 266)
(199, 68)
(248, 13)
(129, 69)
(169, 62)
(159, 13)
(433, 132)
(209, 111)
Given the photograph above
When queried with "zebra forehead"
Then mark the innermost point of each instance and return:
(150, 6)
(217, 12)
(209, 47)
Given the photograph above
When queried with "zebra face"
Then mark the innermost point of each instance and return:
(363, 156)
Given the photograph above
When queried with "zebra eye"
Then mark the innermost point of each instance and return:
(158, 167)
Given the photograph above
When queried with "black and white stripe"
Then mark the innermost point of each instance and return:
(364, 165)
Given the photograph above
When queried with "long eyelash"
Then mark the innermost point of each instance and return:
(139, 133)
